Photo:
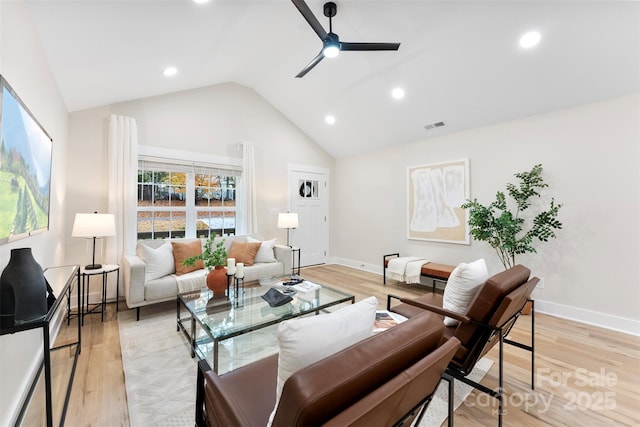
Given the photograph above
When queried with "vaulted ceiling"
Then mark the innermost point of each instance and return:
(459, 61)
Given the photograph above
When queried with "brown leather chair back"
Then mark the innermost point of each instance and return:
(321, 391)
(388, 404)
(513, 303)
(500, 298)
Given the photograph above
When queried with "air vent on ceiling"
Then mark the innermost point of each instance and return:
(434, 125)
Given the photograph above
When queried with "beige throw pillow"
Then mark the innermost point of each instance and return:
(244, 252)
(182, 251)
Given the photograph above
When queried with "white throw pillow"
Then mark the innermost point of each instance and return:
(464, 282)
(265, 253)
(158, 262)
(306, 340)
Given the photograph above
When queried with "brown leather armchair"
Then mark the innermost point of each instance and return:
(383, 380)
(487, 321)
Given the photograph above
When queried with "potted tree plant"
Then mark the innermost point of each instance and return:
(506, 227)
(214, 258)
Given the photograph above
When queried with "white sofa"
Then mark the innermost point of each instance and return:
(149, 275)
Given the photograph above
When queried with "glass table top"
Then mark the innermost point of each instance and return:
(226, 317)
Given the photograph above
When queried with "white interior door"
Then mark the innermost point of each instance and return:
(309, 197)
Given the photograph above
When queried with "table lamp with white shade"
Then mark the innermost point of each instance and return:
(93, 226)
(288, 220)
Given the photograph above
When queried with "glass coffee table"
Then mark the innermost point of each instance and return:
(211, 319)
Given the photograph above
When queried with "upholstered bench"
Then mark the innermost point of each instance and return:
(434, 271)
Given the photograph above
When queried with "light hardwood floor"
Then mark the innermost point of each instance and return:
(586, 376)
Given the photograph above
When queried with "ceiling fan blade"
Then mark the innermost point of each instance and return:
(310, 17)
(311, 64)
(368, 46)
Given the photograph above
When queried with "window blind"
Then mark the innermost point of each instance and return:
(183, 166)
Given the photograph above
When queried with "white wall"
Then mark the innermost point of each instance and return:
(590, 157)
(25, 67)
(210, 120)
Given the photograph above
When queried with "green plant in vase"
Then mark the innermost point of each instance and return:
(505, 228)
(214, 257)
(210, 257)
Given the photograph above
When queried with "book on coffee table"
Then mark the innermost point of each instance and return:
(386, 319)
(306, 286)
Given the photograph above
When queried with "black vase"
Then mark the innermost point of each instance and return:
(23, 290)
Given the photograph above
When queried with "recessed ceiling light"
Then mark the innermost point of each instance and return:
(201, 1)
(170, 71)
(530, 39)
(397, 93)
(330, 119)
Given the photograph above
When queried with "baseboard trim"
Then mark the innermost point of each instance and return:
(377, 269)
(589, 317)
(576, 314)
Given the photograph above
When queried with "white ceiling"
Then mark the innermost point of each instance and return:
(459, 62)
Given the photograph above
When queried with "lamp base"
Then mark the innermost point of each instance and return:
(93, 267)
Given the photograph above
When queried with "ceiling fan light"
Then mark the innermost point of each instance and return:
(331, 50)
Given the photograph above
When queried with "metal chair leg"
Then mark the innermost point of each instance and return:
(533, 335)
(450, 403)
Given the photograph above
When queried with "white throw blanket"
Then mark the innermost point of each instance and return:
(192, 281)
(406, 269)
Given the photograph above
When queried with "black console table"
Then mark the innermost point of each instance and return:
(56, 368)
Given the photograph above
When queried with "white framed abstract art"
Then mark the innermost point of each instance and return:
(435, 194)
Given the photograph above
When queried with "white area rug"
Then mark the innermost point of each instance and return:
(160, 375)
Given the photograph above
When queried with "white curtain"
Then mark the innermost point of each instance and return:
(123, 169)
(249, 221)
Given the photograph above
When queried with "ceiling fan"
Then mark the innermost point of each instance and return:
(331, 44)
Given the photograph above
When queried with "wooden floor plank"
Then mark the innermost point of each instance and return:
(585, 375)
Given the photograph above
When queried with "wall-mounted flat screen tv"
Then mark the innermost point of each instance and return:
(25, 169)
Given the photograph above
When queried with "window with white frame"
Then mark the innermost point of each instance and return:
(178, 199)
